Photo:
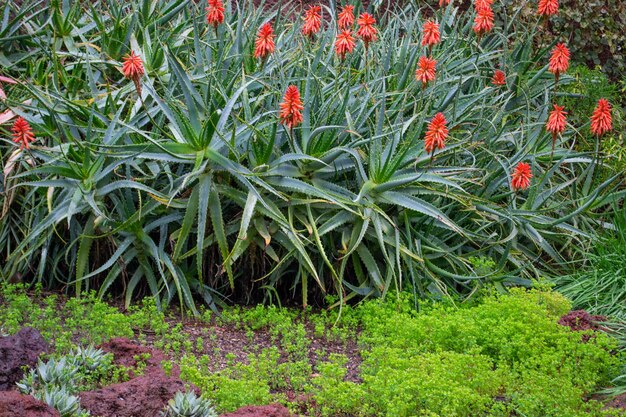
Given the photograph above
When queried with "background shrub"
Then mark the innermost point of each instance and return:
(595, 32)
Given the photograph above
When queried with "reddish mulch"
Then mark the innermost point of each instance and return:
(142, 396)
(232, 340)
(272, 410)
(14, 404)
(21, 349)
(618, 402)
(126, 352)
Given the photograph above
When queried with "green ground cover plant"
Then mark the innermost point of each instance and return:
(183, 182)
(503, 356)
(498, 355)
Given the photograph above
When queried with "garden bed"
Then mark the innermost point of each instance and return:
(358, 366)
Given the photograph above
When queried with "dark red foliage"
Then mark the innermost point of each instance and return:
(21, 349)
(580, 320)
(14, 404)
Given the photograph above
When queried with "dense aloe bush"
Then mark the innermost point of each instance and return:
(194, 186)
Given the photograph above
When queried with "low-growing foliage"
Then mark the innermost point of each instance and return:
(496, 355)
(68, 324)
(56, 382)
(189, 405)
(501, 355)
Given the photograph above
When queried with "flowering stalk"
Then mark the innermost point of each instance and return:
(367, 31)
(291, 108)
(344, 44)
(425, 70)
(312, 21)
(601, 119)
(133, 70)
(436, 135)
(22, 133)
(264, 43)
(430, 35)
(215, 13)
(559, 61)
(520, 178)
(346, 18)
(556, 124)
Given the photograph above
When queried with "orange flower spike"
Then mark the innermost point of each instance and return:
(264, 44)
(481, 4)
(498, 78)
(132, 66)
(442, 2)
(483, 22)
(312, 21)
(430, 34)
(601, 120)
(215, 13)
(520, 178)
(548, 8)
(344, 44)
(346, 17)
(291, 108)
(425, 70)
(367, 31)
(436, 134)
(133, 69)
(559, 60)
(556, 123)
(22, 133)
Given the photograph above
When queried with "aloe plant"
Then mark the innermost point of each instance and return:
(194, 189)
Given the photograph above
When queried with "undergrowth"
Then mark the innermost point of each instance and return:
(500, 355)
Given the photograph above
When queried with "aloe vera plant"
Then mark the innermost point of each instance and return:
(194, 188)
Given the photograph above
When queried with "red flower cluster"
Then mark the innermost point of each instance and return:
(556, 123)
(133, 69)
(132, 66)
(291, 108)
(22, 133)
(430, 34)
(367, 32)
(548, 7)
(483, 22)
(344, 44)
(264, 44)
(498, 78)
(215, 13)
(346, 17)
(312, 21)
(436, 134)
(559, 60)
(425, 70)
(520, 178)
(601, 121)
(481, 4)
